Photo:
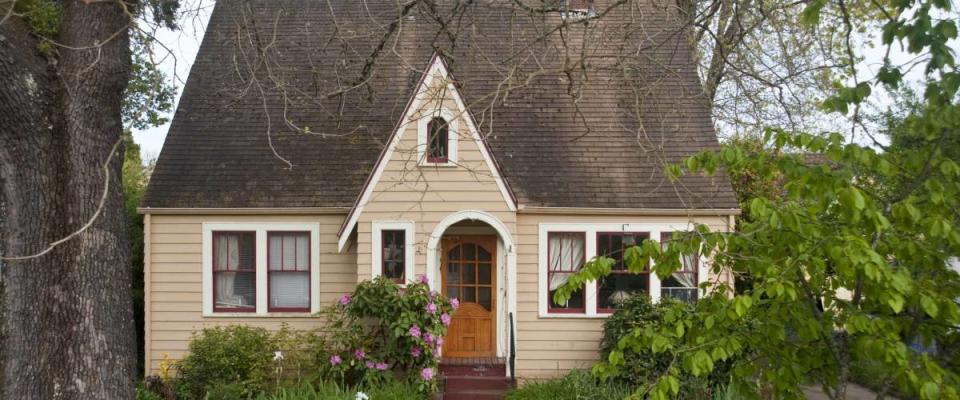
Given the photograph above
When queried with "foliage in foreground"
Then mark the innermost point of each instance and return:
(641, 365)
(575, 385)
(387, 390)
(848, 264)
(383, 338)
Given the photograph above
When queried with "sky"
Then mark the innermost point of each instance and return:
(179, 49)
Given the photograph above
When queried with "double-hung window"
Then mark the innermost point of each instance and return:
(617, 287)
(288, 271)
(234, 272)
(260, 268)
(682, 284)
(566, 254)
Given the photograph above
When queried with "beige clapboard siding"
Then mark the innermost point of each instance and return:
(174, 309)
(428, 194)
(550, 347)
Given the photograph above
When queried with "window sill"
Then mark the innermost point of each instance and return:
(447, 164)
(255, 315)
(572, 316)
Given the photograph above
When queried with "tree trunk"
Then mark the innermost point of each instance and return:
(69, 318)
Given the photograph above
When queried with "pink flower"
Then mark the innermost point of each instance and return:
(445, 318)
(423, 279)
(359, 354)
(335, 360)
(439, 342)
(431, 308)
(415, 331)
(415, 351)
(382, 366)
(370, 364)
(345, 300)
(426, 374)
(433, 294)
(428, 338)
(454, 303)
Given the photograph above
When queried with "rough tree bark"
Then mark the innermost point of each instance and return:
(69, 318)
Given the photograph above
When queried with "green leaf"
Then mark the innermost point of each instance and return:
(811, 14)
(929, 306)
(895, 302)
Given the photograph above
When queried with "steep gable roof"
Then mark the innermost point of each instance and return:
(563, 137)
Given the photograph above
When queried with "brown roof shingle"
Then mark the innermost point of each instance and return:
(598, 136)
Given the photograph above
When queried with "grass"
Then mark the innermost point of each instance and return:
(394, 390)
(575, 386)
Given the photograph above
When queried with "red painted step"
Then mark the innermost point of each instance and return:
(474, 381)
(465, 383)
(473, 369)
(475, 395)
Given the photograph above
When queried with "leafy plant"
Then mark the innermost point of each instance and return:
(642, 365)
(848, 264)
(576, 385)
(390, 389)
(384, 328)
(234, 359)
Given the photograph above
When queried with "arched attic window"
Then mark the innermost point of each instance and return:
(438, 134)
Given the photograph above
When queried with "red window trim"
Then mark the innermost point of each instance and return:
(583, 291)
(446, 144)
(383, 262)
(271, 308)
(213, 268)
(645, 235)
(695, 271)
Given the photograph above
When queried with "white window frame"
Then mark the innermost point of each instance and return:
(261, 229)
(453, 134)
(409, 246)
(590, 230)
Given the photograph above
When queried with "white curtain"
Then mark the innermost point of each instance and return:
(228, 258)
(566, 255)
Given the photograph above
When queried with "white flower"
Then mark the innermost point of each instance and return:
(277, 355)
(362, 396)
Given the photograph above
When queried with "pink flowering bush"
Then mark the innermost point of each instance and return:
(383, 330)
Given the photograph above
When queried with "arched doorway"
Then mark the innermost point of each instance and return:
(470, 256)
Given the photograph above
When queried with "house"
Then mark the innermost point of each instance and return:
(319, 144)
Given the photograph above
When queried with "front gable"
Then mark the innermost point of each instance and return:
(406, 180)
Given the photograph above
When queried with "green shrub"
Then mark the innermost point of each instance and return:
(383, 329)
(144, 394)
(642, 366)
(576, 385)
(237, 355)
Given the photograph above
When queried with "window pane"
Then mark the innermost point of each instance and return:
(234, 251)
(290, 290)
(236, 290)
(484, 297)
(276, 253)
(453, 273)
(485, 274)
(289, 252)
(393, 249)
(303, 252)
(469, 252)
(483, 254)
(683, 294)
(437, 132)
(469, 273)
(575, 301)
(617, 288)
(469, 294)
(453, 292)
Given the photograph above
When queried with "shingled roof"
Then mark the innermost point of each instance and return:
(278, 111)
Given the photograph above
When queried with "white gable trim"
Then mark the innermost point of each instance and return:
(437, 67)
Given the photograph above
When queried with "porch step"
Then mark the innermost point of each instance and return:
(479, 369)
(474, 381)
(475, 395)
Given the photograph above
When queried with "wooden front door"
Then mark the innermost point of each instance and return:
(468, 269)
